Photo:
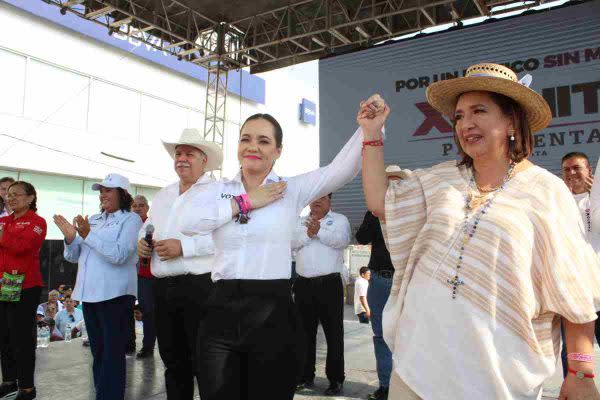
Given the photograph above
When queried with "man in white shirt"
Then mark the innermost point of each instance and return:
(4, 184)
(318, 290)
(577, 175)
(180, 263)
(361, 286)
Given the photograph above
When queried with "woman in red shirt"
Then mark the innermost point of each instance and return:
(21, 236)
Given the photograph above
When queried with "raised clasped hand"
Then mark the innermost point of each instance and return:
(371, 116)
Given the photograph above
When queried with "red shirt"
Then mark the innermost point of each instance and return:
(144, 270)
(20, 247)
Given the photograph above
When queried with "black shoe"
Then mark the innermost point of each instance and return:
(23, 395)
(334, 388)
(145, 353)
(379, 394)
(305, 385)
(6, 388)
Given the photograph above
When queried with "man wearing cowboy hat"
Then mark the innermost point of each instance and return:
(380, 285)
(180, 263)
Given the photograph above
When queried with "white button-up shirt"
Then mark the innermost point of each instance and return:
(107, 257)
(169, 212)
(324, 253)
(261, 249)
(590, 214)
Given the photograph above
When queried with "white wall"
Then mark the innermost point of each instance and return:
(66, 98)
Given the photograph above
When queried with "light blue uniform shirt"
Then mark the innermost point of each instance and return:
(62, 319)
(107, 257)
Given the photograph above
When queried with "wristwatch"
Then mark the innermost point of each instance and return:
(581, 374)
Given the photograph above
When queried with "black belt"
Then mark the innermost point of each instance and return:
(253, 287)
(384, 273)
(321, 278)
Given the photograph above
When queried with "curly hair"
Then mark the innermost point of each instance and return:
(29, 191)
(125, 200)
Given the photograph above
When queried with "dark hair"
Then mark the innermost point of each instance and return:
(125, 200)
(29, 191)
(67, 297)
(575, 154)
(363, 270)
(522, 146)
(273, 121)
(330, 194)
(137, 307)
(7, 179)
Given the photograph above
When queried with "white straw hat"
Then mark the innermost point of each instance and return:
(192, 137)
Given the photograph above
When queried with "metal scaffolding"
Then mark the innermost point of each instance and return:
(283, 35)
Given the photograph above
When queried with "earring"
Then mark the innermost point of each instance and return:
(512, 134)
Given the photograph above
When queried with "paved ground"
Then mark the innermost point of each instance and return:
(64, 370)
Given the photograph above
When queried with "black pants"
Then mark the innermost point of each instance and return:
(18, 338)
(179, 304)
(146, 300)
(321, 299)
(247, 342)
(106, 321)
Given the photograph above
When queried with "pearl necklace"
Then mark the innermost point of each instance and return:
(469, 231)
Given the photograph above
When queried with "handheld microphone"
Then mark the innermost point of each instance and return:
(145, 261)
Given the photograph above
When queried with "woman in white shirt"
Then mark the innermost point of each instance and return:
(104, 246)
(247, 342)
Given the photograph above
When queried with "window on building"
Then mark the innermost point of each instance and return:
(161, 120)
(56, 96)
(56, 195)
(12, 82)
(114, 112)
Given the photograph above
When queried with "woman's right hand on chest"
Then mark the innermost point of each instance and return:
(267, 194)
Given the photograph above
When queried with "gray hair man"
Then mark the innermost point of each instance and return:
(180, 263)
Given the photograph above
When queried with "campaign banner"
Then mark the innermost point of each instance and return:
(559, 48)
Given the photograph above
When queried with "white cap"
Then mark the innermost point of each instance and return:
(113, 181)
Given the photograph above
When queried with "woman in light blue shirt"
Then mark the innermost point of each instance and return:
(104, 246)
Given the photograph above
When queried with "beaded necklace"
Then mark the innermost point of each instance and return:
(588, 217)
(469, 231)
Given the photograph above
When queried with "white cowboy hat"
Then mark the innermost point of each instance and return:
(496, 78)
(394, 170)
(113, 181)
(192, 137)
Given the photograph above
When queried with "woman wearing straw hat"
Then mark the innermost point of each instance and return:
(486, 256)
